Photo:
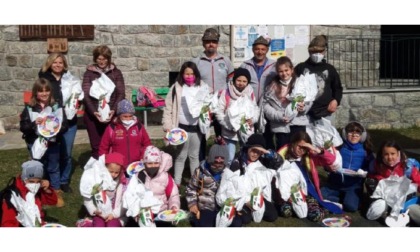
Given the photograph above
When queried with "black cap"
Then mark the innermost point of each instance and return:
(241, 72)
(256, 140)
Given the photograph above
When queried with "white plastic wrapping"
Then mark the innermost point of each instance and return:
(196, 102)
(102, 89)
(72, 92)
(240, 109)
(323, 132)
(39, 148)
(28, 212)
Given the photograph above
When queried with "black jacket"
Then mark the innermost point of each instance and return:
(30, 129)
(329, 86)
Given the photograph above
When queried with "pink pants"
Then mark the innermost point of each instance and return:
(99, 222)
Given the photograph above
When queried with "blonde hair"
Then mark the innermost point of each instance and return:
(50, 60)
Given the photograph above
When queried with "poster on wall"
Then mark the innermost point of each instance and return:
(286, 40)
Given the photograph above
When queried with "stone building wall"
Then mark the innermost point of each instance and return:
(144, 53)
(147, 53)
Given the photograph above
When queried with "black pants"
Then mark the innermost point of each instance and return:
(207, 219)
(270, 215)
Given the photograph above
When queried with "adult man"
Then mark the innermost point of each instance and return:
(262, 71)
(215, 68)
(330, 90)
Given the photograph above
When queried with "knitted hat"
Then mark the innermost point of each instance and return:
(125, 107)
(241, 72)
(210, 34)
(115, 158)
(256, 141)
(218, 151)
(262, 41)
(318, 44)
(32, 169)
(152, 154)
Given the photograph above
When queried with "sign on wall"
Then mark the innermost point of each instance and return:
(286, 40)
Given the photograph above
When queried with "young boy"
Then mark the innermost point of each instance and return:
(202, 188)
(23, 200)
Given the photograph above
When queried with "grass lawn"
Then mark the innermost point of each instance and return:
(74, 210)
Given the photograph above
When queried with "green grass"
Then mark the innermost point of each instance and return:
(11, 161)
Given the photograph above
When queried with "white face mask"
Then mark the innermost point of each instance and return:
(317, 57)
(33, 187)
(127, 122)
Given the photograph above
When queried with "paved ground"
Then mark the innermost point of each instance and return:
(13, 139)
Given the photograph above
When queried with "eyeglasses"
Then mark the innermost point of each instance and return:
(355, 134)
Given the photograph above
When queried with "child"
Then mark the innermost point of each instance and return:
(202, 188)
(238, 88)
(178, 114)
(390, 161)
(125, 134)
(23, 200)
(275, 104)
(156, 178)
(40, 100)
(299, 174)
(254, 163)
(104, 203)
(356, 153)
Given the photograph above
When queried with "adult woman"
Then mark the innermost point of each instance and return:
(94, 124)
(52, 70)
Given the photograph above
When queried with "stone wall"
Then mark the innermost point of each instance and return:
(144, 53)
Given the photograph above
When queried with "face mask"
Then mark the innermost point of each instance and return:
(152, 171)
(216, 170)
(127, 122)
(33, 187)
(317, 57)
(189, 80)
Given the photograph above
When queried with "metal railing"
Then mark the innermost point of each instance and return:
(369, 62)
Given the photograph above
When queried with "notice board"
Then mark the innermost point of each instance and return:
(286, 40)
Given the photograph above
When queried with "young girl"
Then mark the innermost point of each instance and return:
(104, 204)
(156, 178)
(238, 88)
(125, 134)
(29, 192)
(390, 160)
(275, 104)
(40, 100)
(356, 153)
(299, 174)
(177, 113)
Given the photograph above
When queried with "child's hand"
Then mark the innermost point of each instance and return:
(249, 121)
(194, 210)
(97, 212)
(300, 106)
(109, 217)
(39, 120)
(310, 148)
(45, 184)
(98, 116)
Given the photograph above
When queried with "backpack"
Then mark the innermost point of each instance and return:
(148, 97)
(5, 195)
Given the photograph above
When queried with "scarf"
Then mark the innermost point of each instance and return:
(235, 93)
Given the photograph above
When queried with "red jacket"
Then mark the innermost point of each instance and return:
(41, 198)
(382, 171)
(131, 143)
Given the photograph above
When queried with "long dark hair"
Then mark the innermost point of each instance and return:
(390, 143)
(193, 66)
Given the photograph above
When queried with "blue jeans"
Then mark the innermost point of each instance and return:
(231, 146)
(349, 197)
(51, 160)
(66, 148)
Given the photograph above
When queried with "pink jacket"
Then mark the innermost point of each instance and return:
(131, 143)
(159, 183)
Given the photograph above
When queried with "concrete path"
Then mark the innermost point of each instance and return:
(13, 139)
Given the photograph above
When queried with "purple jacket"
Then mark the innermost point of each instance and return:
(91, 74)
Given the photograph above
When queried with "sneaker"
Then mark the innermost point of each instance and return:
(66, 188)
(60, 200)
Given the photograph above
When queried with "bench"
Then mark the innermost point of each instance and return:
(162, 92)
